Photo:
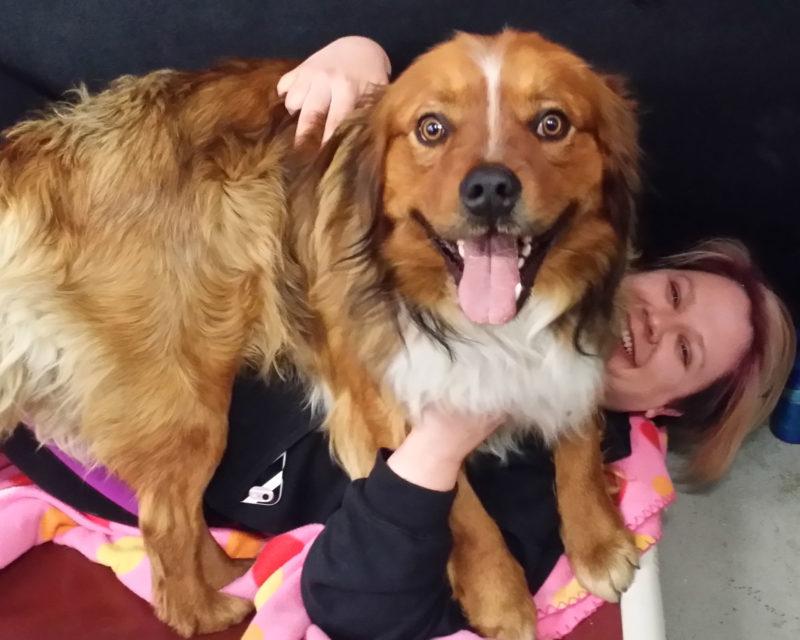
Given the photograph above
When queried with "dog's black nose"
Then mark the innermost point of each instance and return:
(490, 191)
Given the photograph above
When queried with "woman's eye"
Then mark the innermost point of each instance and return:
(675, 293)
(686, 354)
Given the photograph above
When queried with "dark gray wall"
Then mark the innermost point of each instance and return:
(718, 81)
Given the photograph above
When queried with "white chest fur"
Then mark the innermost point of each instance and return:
(523, 369)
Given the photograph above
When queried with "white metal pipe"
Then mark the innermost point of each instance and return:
(642, 607)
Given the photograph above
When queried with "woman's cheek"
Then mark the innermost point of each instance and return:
(668, 376)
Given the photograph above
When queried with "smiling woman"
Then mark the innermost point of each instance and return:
(683, 331)
(707, 347)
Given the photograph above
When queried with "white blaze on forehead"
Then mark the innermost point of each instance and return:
(490, 61)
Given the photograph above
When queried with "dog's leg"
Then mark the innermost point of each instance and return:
(600, 548)
(487, 581)
(218, 568)
(169, 465)
(361, 419)
(357, 432)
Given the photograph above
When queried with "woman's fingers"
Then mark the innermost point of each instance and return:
(314, 107)
(296, 94)
(285, 83)
(343, 100)
(331, 81)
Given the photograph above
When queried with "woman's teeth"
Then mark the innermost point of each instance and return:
(627, 342)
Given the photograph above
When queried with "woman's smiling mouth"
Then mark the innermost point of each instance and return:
(628, 342)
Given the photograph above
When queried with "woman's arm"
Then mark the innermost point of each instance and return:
(332, 80)
(379, 569)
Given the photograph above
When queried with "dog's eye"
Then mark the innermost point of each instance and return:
(431, 129)
(552, 125)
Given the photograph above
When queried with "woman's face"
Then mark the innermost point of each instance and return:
(682, 331)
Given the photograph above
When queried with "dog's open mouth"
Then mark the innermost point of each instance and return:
(493, 272)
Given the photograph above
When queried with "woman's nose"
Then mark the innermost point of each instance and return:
(654, 323)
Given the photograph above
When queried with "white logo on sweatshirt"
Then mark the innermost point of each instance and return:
(269, 493)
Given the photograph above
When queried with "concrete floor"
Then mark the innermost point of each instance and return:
(730, 559)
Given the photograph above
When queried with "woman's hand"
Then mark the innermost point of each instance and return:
(332, 80)
(432, 453)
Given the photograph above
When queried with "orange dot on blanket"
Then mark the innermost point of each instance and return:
(253, 633)
(663, 486)
(276, 552)
(53, 523)
(243, 545)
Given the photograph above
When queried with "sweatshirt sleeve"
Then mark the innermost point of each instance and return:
(378, 570)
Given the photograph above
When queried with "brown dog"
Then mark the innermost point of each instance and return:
(459, 241)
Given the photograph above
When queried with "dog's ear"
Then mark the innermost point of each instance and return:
(351, 206)
(362, 152)
(350, 172)
(619, 136)
(365, 157)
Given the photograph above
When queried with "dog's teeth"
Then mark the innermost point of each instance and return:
(518, 291)
(526, 250)
(520, 263)
(527, 239)
(460, 245)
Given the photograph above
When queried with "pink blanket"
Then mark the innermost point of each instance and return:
(28, 517)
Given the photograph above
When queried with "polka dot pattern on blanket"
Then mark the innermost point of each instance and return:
(28, 516)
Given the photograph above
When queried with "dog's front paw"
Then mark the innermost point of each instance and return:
(606, 566)
(208, 612)
(494, 596)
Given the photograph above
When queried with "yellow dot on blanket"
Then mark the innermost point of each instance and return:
(663, 486)
(568, 594)
(270, 586)
(253, 633)
(122, 555)
(643, 542)
(243, 545)
(53, 523)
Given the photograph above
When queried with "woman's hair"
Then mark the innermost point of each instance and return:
(715, 421)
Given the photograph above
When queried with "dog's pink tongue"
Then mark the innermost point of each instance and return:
(487, 290)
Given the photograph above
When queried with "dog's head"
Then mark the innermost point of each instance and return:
(503, 168)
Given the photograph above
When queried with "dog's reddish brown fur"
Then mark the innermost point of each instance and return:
(167, 232)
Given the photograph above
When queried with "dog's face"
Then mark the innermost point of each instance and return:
(507, 165)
